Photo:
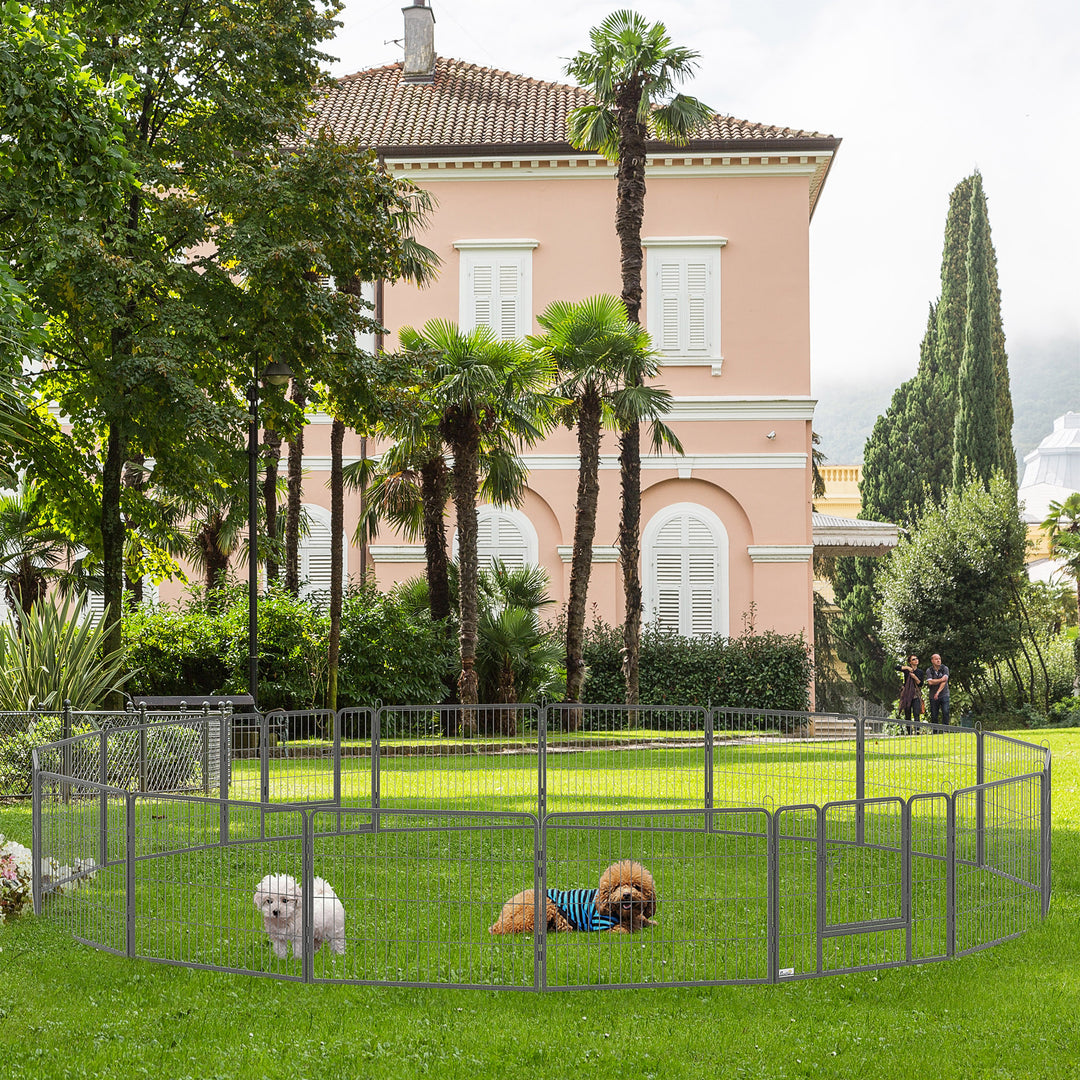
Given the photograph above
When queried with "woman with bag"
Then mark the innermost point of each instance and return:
(911, 694)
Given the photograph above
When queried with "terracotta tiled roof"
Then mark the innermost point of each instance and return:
(480, 107)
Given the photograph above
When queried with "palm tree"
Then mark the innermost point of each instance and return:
(517, 659)
(602, 360)
(484, 391)
(632, 70)
(1062, 525)
(33, 552)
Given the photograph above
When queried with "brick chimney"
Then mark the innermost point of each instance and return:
(419, 43)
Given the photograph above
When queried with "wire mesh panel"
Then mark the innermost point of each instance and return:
(243, 758)
(997, 861)
(419, 894)
(356, 729)
(1005, 757)
(200, 902)
(607, 757)
(81, 877)
(769, 758)
(795, 884)
(165, 755)
(299, 752)
(670, 897)
(931, 759)
(480, 757)
(18, 732)
(929, 841)
(863, 885)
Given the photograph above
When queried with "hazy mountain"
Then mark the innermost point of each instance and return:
(1044, 377)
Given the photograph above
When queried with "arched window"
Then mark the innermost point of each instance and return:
(685, 552)
(315, 554)
(503, 535)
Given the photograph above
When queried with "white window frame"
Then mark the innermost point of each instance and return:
(488, 512)
(687, 310)
(502, 260)
(651, 584)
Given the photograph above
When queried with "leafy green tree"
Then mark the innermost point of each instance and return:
(632, 70)
(949, 586)
(63, 165)
(484, 390)
(603, 360)
(143, 342)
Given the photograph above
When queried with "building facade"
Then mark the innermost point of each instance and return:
(523, 219)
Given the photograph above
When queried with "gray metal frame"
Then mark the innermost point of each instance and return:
(151, 830)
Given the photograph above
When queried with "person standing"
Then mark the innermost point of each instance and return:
(911, 692)
(937, 678)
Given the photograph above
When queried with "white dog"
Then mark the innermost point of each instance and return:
(280, 901)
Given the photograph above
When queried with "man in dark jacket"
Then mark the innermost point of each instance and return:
(937, 678)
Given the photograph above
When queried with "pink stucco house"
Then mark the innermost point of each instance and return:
(523, 219)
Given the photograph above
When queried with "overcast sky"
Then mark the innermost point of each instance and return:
(921, 92)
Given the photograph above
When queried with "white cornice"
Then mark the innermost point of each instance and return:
(674, 462)
(668, 462)
(397, 553)
(487, 245)
(781, 553)
(599, 554)
(741, 408)
(579, 167)
(683, 241)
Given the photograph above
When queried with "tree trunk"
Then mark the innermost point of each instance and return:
(292, 518)
(112, 543)
(134, 478)
(433, 492)
(337, 533)
(271, 457)
(588, 493)
(466, 472)
(629, 213)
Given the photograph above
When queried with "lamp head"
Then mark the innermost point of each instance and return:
(277, 373)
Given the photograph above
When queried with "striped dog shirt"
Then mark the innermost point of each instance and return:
(578, 907)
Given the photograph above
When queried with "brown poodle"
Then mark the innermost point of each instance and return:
(624, 901)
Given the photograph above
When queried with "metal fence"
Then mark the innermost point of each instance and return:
(781, 845)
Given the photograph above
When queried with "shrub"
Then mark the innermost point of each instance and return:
(53, 657)
(390, 654)
(763, 671)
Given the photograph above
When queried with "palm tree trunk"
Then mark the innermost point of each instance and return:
(271, 457)
(466, 473)
(433, 485)
(629, 214)
(292, 517)
(337, 533)
(588, 494)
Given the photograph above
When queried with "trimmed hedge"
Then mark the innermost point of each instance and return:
(763, 671)
(388, 653)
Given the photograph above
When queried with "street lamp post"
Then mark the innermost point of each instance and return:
(276, 373)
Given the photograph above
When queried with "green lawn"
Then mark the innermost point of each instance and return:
(68, 1010)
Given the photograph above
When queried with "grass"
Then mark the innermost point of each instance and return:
(67, 1010)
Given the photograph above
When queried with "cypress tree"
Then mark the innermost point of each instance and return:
(921, 442)
(976, 445)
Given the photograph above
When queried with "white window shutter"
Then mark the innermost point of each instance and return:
(697, 323)
(685, 559)
(483, 294)
(315, 556)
